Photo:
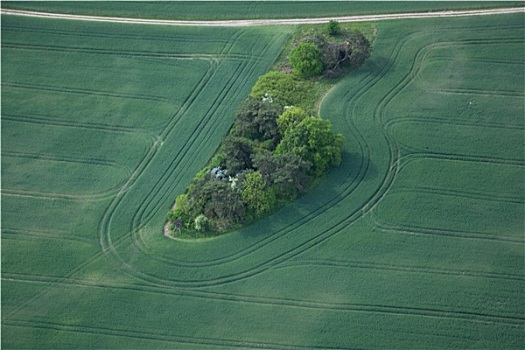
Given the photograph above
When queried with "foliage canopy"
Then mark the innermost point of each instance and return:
(306, 61)
(313, 140)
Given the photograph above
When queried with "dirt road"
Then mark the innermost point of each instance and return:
(259, 22)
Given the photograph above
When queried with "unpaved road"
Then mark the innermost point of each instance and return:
(259, 22)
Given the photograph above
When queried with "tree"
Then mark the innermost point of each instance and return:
(181, 212)
(333, 28)
(360, 49)
(349, 51)
(287, 173)
(215, 199)
(313, 141)
(201, 223)
(256, 194)
(306, 61)
(266, 163)
(257, 120)
(238, 154)
(292, 175)
(290, 117)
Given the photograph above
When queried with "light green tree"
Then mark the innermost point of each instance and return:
(256, 194)
(201, 223)
(290, 118)
(306, 61)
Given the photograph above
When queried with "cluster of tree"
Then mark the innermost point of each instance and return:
(329, 54)
(270, 157)
(275, 148)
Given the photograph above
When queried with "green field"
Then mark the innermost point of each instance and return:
(221, 10)
(415, 241)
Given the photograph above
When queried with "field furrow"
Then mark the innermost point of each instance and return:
(278, 302)
(411, 269)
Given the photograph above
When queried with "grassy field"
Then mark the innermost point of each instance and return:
(220, 10)
(415, 241)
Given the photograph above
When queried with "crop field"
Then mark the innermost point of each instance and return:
(221, 10)
(415, 241)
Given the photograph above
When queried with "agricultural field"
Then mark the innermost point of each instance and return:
(221, 10)
(414, 241)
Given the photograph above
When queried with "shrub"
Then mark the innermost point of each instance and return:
(284, 89)
(333, 28)
(201, 223)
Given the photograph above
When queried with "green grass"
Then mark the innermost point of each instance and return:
(415, 241)
(215, 10)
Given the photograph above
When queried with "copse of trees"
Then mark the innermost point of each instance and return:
(337, 52)
(276, 147)
(270, 157)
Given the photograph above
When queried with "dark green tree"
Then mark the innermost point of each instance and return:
(257, 120)
(306, 61)
(226, 207)
(287, 173)
(215, 199)
(238, 152)
(292, 177)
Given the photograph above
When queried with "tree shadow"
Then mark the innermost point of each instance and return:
(339, 182)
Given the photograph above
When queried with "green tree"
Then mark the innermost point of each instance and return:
(313, 141)
(290, 118)
(257, 120)
(292, 176)
(201, 223)
(182, 210)
(360, 49)
(287, 173)
(333, 28)
(215, 199)
(256, 194)
(306, 61)
(238, 152)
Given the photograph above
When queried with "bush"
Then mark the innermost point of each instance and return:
(306, 61)
(333, 28)
(201, 223)
(286, 90)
